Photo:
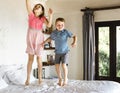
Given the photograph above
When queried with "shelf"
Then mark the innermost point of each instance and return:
(48, 30)
(47, 63)
(48, 33)
(51, 48)
(35, 71)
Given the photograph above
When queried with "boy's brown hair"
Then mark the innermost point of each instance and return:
(60, 19)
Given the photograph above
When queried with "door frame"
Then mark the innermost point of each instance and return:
(112, 36)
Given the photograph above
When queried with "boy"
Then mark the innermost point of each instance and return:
(60, 36)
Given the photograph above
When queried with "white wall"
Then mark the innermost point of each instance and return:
(107, 15)
(13, 26)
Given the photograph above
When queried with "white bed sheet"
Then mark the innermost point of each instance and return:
(73, 86)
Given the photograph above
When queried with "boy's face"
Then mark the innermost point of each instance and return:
(60, 25)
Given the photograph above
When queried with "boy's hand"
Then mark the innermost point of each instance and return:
(73, 44)
(42, 44)
(74, 41)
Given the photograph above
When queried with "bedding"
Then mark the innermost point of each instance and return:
(73, 86)
(12, 81)
(3, 84)
(14, 74)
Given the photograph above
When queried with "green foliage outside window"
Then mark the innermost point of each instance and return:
(118, 65)
(103, 64)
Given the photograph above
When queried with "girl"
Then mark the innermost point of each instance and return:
(35, 36)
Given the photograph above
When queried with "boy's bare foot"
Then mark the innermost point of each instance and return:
(27, 83)
(60, 82)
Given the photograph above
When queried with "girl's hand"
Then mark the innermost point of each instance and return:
(50, 11)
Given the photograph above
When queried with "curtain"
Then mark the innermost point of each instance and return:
(88, 45)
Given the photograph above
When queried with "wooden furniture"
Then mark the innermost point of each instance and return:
(51, 48)
(35, 71)
(47, 63)
(48, 46)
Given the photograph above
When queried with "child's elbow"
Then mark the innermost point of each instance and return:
(74, 36)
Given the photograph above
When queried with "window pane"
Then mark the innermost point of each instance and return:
(103, 48)
(118, 51)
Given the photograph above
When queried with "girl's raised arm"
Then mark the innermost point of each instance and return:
(28, 6)
(50, 15)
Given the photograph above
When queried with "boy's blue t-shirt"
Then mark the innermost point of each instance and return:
(60, 38)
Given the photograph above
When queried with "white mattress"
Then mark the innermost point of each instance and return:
(73, 86)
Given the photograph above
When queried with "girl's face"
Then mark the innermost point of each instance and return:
(60, 25)
(38, 10)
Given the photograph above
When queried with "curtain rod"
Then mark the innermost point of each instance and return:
(102, 8)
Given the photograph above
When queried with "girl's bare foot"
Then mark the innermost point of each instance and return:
(60, 82)
(40, 81)
(27, 83)
(65, 82)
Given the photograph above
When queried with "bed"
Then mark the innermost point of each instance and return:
(12, 81)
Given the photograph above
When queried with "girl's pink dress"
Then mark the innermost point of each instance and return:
(34, 35)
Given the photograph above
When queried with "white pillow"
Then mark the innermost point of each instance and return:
(5, 68)
(19, 76)
(3, 84)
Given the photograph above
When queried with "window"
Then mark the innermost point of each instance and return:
(107, 57)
